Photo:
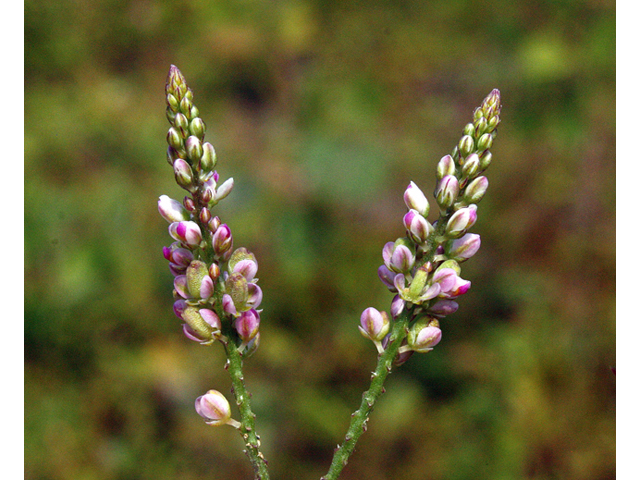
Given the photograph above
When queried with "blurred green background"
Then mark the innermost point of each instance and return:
(322, 111)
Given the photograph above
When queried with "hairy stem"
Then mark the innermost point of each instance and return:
(360, 417)
(247, 417)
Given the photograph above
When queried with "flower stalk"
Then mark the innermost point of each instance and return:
(216, 293)
(423, 268)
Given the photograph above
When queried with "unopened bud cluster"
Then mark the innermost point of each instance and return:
(215, 287)
(423, 267)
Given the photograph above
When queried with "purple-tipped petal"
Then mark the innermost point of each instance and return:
(386, 276)
(464, 247)
(247, 325)
(443, 307)
(191, 334)
(397, 306)
(180, 284)
(206, 287)
(211, 318)
(228, 306)
(179, 306)
(248, 268)
(255, 295)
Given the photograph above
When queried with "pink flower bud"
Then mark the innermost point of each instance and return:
(201, 325)
(474, 192)
(415, 199)
(181, 256)
(402, 259)
(179, 306)
(211, 318)
(214, 408)
(222, 241)
(447, 191)
(446, 278)
(183, 173)
(460, 221)
(423, 336)
(446, 166)
(172, 210)
(247, 268)
(374, 325)
(193, 146)
(463, 248)
(254, 298)
(417, 227)
(186, 232)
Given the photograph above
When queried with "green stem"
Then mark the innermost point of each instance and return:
(247, 417)
(360, 417)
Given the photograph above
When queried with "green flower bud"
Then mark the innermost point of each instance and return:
(481, 126)
(492, 124)
(186, 103)
(171, 115)
(208, 160)
(174, 139)
(172, 155)
(183, 173)
(485, 160)
(475, 190)
(466, 145)
(182, 125)
(194, 149)
(176, 84)
(173, 103)
(197, 128)
(485, 142)
(471, 166)
(469, 129)
(446, 166)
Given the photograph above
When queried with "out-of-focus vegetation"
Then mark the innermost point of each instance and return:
(322, 112)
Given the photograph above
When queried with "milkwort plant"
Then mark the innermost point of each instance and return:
(216, 292)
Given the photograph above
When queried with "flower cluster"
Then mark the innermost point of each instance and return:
(215, 287)
(423, 268)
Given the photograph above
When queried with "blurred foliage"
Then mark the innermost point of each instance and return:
(322, 111)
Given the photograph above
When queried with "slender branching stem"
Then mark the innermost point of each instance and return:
(360, 417)
(247, 417)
